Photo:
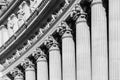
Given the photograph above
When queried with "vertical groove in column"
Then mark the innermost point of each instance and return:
(83, 49)
(54, 63)
(68, 56)
(114, 39)
(99, 41)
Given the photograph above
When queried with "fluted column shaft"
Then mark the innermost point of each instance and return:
(114, 40)
(29, 69)
(42, 68)
(99, 41)
(68, 56)
(83, 49)
(54, 62)
(30, 73)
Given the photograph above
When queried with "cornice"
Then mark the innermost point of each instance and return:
(53, 28)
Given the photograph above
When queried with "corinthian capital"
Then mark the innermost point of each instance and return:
(27, 64)
(42, 57)
(49, 41)
(15, 72)
(63, 28)
(38, 53)
(77, 11)
(82, 17)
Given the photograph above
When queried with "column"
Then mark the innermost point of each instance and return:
(114, 40)
(42, 65)
(68, 54)
(83, 48)
(54, 62)
(29, 70)
(42, 68)
(99, 41)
